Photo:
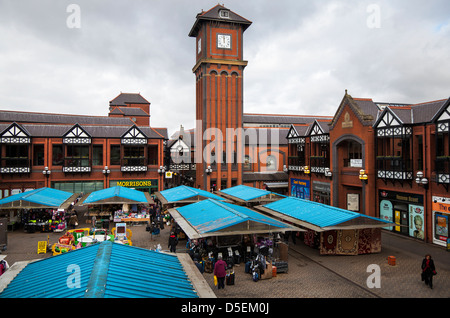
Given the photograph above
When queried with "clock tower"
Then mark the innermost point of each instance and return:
(219, 73)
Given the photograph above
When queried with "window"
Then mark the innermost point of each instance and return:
(38, 155)
(115, 155)
(153, 155)
(354, 154)
(57, 155)
(97, 155)
(77, 156)
(15, 156)
(133, 156)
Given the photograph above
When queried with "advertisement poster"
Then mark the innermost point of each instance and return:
(300, 189)
(416, 221)
(386, 211)
(441, 226)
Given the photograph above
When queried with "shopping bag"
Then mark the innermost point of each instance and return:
(215, 280)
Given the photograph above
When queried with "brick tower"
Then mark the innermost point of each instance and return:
(219, 72)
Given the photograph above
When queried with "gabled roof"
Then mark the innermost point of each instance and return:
(106, 270)
(123, 99)
(213, 218)
(296, 131)
(443, 113)
(39, 198)
(318, 216)
(246, 193)
(116, 195)
(213, 15)
(364, 109)
(185, 194)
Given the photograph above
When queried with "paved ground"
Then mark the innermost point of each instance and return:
(309, 276)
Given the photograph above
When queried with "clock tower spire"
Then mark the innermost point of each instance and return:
(219, 73)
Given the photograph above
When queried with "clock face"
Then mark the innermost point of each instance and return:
(224, 41)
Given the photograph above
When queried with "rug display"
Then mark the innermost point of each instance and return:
(328, 242)
(347, 242)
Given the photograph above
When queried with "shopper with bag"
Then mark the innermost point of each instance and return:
(428, 270)
(220, 271)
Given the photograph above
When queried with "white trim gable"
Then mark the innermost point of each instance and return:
(134, 136)
(15, 134)
(76, 135)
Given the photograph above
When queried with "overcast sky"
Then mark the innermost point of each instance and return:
(302, 55)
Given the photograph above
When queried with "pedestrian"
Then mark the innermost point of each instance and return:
(428, 270)
(220, 271)
(173, 241)
(73, 221)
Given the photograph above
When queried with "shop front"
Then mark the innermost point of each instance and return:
(300, 188)
(321, 192)
(441, 216)
(150, 185)
(405, 210)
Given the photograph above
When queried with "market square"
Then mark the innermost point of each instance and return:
(304, 204)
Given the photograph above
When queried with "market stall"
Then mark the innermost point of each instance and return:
(183, 195)
(245, 195)
(43, 209)
(119, 204)
(332, 230)
(235, 232)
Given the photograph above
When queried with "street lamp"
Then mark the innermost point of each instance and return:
(106, 171)
(420, 180)
(161, 170)
(285, 169)
(306, 170)
(46, 172)
(328, 172)
(363, 176)
(208, 170)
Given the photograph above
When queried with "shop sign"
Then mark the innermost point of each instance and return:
(441, 212)
(400, 196)
(300, 188)
(136, 183)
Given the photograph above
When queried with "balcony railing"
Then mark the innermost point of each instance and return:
(296, 163)
(392, 167)
(15, 165)
(76, 165)
(442, 167)
(133, 164)
(318, 164)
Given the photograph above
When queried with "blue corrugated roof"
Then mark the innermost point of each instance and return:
(184, 192)
(106, 270)
(44, 196)
(246, 193)
(122, 192)
(211, 216)
(318, 214)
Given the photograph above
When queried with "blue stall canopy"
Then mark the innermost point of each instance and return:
(117, 195)
(318, 216)
(185, 195)
(214, 218)
(42, 198)
(246, 194)
(107, 270)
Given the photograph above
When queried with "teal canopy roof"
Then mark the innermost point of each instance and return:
(211, 217)
(116, 195)
(182, 193)
(103, 270)
(39, 198)
(322, 216)
(247, 193)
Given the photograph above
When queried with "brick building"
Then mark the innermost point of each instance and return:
(78, 153)
(381, 159)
